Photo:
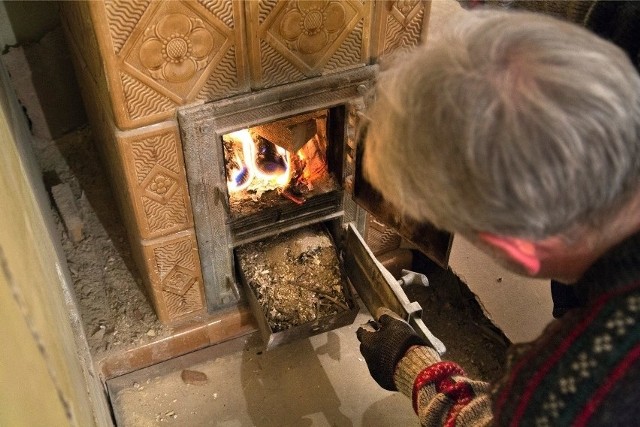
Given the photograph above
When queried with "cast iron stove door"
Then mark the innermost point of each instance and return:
(434, 243)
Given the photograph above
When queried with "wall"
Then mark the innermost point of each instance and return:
(46, 374)
(26, 21)
(34, 52)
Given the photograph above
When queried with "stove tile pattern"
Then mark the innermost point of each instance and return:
(176, 277)
(306, 38)
(163, 54)
(156, 179)
(402, 25)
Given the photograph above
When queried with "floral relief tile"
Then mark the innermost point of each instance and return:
(156, 177)
(160, 55)
(176, 49)
(298, 38)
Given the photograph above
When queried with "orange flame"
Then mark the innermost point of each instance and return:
(248, 174)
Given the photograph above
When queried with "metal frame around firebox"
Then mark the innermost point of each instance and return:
(202, 128)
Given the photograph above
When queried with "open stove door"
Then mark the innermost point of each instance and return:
(378, 289)
(375, 285)
(434, 243)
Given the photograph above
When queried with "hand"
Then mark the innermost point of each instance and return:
(383, 349)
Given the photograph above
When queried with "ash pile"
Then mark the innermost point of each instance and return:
(296, 277)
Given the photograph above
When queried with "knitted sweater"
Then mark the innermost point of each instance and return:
(583, 370)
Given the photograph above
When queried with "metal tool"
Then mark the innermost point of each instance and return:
(378, 289)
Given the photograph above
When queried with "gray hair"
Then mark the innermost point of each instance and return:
(512, 123)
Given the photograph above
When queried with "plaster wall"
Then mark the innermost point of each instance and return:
(26, 21)
(46, 374)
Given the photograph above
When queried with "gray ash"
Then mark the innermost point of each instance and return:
(296, 277)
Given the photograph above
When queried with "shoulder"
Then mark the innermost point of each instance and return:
(581, 367)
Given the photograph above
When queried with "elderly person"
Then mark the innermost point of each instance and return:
(521, 133)
(616, 21)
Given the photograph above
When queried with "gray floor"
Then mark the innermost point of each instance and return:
(320, 381)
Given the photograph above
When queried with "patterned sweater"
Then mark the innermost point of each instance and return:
(583, 370)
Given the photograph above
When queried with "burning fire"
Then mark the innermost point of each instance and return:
(256, 165)
(263, 162)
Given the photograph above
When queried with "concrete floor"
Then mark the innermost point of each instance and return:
(320, 381)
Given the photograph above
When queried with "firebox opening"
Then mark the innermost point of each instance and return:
(280, 121)
(283, 165)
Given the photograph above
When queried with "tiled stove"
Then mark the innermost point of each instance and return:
(140, 63)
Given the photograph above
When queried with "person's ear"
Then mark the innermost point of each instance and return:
(521, 251)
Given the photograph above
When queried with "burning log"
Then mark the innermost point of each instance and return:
(269, 160)
(262, 175)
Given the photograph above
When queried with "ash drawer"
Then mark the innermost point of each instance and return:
(296, 285)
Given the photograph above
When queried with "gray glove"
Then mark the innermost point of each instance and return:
(383, 349)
